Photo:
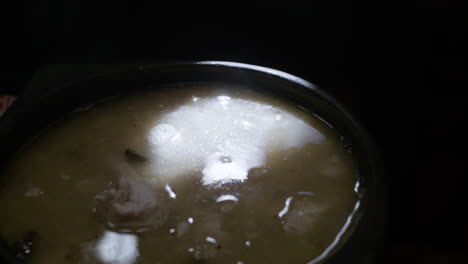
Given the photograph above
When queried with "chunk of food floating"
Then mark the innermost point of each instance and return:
(131, 205)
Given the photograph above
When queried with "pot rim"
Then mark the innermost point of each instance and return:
(365, 140)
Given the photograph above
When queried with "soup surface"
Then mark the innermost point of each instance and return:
(186, 174)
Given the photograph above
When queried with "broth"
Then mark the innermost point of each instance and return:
(187, 174)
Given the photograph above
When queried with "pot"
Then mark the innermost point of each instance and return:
(43, 104)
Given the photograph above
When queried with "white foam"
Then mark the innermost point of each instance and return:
(163, 133)
(116, 248)
(224, 138)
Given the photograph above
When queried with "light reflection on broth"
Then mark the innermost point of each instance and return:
(205, 174)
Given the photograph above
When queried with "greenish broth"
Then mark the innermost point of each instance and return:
(188, 174)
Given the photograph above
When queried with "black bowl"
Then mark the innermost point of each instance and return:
(47, 102)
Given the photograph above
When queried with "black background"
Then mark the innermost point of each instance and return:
(400, 69)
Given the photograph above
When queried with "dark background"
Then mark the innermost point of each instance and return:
(400, 69)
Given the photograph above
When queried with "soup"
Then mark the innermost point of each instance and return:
(184, 174)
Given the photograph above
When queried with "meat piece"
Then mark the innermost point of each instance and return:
(131, 205)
